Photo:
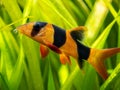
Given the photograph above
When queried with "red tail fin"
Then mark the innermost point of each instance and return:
(97, 57)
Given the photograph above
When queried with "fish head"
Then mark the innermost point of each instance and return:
(38, 31)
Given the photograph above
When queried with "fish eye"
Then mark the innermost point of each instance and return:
(39, 25)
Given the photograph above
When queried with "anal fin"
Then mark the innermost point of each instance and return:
(54, 48)
(64, 59)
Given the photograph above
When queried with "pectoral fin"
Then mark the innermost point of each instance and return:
(54, 48)
(64, 59)
(44, 51)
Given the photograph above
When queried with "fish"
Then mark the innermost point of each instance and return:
(67, 43)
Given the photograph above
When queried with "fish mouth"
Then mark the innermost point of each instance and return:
(26, 28)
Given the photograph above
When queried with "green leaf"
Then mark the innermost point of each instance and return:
(113, 78)
(33, 63)
(95, 20)
(51, 84)
(102, 38)
(17, 72)
(90, 80)
(3, 84)
(13, 9)
(68, 83)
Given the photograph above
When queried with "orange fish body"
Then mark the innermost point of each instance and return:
(67, 43)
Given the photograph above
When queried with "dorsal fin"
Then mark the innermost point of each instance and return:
(78, 33)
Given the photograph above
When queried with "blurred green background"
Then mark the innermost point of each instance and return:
(21, 66)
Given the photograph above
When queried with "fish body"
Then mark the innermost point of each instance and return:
(67, 43)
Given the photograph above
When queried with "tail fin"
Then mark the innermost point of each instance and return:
(97, 57)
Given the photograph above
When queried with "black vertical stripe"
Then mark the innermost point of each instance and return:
(83, 51)
(37, 27)
(59, 36)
